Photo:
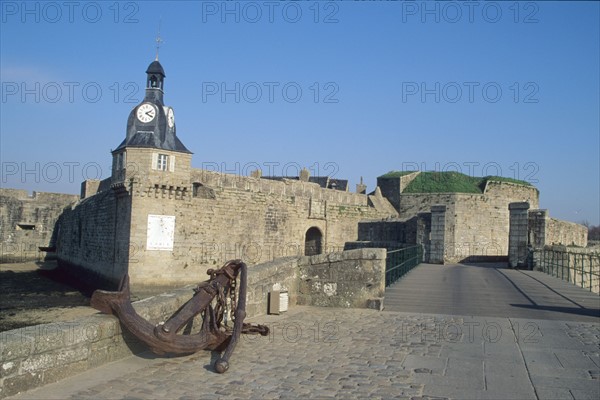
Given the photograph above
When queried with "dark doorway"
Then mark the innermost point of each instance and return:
(313, 242)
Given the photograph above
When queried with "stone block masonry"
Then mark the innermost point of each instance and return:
(348, 279)
(42, 354)
(535, 230)
(343, 279)
(167, 227)
(27, 222)
(476, 224)
(94, 240)
(474, 227)
(545, 231)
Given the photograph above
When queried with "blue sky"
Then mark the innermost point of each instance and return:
(345, 88)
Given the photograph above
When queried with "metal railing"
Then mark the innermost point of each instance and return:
(581, 269)
(400, 261)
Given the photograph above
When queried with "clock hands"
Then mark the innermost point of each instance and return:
(146, 112)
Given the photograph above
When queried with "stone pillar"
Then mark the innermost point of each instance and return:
(438, 234)
(517, 234)
(537, 228)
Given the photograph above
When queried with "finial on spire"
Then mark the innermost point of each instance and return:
(158, 39)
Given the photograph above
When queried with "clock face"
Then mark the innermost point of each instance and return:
(171, 118)
(146, 112)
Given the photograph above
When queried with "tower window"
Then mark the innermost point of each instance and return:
(153, 82)
(162, 162)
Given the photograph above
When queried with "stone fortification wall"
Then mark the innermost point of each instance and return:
(284, 188)
(92, 186)
(481, 225)
(565, 232)
(93, 240)
(477, 225)
(42, 354)
(466, 227)
(392, 188)
(535, 230)
(215, 218)
(390, 231)
(544, 231)
(229, 216)
(395, 233)
(27, 222)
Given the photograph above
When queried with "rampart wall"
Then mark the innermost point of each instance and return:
(469, 227)
(477, 225)
(565, 232)
(27, 222)
(257, 220)
(546, 231)
(93, 240)
(217, 217)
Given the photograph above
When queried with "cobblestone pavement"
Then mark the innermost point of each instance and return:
(343, 353)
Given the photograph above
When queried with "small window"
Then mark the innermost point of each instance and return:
(163, 162)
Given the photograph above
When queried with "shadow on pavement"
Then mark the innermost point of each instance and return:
(590, 312)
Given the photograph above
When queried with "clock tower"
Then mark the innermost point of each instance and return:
(151, 154)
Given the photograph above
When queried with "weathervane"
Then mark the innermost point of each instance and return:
(158, 39)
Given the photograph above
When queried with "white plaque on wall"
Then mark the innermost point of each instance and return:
(161, 232)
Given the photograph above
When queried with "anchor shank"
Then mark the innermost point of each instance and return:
(193, 307)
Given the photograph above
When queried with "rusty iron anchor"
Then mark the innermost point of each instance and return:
(164, 338)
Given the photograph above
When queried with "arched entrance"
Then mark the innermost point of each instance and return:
(313, 242)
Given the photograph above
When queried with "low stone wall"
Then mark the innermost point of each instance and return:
(354, 278)
(280, 274)
(42, 354)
